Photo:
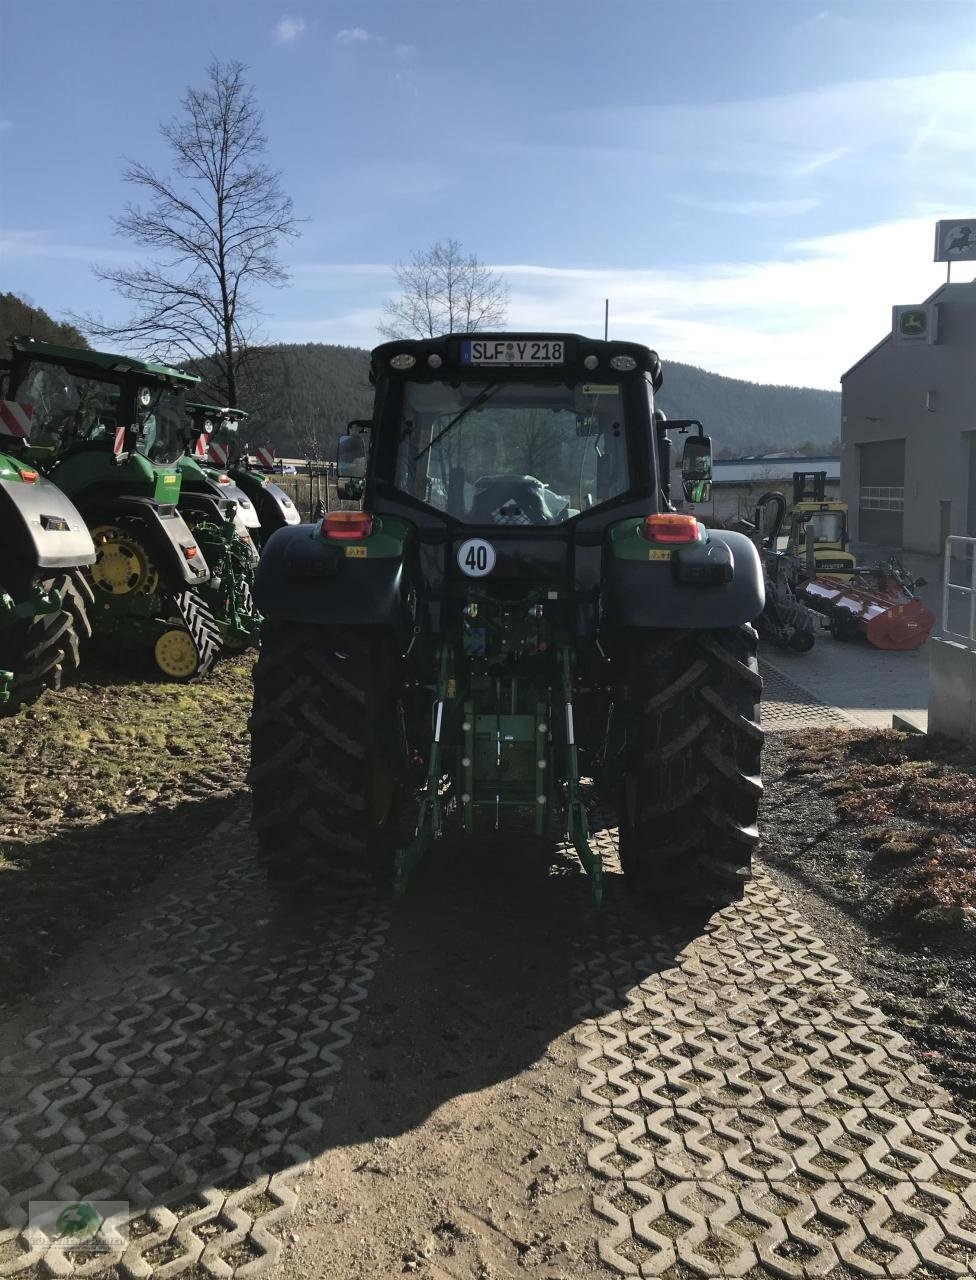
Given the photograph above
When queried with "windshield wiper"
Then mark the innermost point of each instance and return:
(481, 398)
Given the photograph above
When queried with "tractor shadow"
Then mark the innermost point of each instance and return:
(227, 1032)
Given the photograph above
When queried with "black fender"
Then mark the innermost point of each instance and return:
(41, 527)
(168, 538)
(212, 506)
(275, 508)
(302, 578)
(715, 584)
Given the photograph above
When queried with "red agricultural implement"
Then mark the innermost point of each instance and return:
(879, 604)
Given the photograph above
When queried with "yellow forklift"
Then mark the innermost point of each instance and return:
(819, 537)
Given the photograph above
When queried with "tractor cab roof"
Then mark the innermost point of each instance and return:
(514, 353)
(80, 358)
(224, 412)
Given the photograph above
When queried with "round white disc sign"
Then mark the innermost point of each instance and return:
(476, 557)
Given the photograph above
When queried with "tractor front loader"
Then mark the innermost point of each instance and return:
(45, 599)
(108, 430)
(515, 610)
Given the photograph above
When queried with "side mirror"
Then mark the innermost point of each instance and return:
(696, 469)
(350, 467)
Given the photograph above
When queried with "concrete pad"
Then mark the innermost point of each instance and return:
(869, 685)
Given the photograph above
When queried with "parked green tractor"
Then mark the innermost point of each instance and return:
(108, 431)
(225, 523)
(44, 596)
(515, 610)
(220, 428)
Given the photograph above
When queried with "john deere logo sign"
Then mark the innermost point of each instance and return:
(914, 324)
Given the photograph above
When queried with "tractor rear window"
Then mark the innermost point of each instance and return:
(512, 453)
(66, 407)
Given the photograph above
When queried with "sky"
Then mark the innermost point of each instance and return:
(752, 183)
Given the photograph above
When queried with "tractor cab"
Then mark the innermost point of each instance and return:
(213, 433)
(818, 535)
(214, 443)
(103, 419)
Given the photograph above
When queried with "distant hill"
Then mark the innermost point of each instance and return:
(19, 319)
(752, 417)
(306, 393)
(301, 395)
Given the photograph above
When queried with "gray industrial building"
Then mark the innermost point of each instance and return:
(908, 427)
(738, 482)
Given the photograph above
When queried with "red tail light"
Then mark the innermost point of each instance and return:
(28, 475)
(189, 552)
(347, 526)
(223, 479)
(670, 527)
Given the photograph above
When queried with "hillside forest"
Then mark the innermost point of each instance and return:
(301, 395)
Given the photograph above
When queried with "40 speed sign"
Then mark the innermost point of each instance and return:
(476, 557)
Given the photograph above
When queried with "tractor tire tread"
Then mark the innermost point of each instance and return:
(321, 717)
(686, 767)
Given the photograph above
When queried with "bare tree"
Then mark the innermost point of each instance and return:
(442, 291)
(216, 222)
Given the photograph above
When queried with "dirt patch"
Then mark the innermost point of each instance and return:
(876, 831)
(85, 776)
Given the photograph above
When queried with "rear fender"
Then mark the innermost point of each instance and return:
(303, 577)
(40, 525)
(274, 504)
(716, 582)
(167, 535)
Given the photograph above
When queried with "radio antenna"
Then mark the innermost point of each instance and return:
(606, 318)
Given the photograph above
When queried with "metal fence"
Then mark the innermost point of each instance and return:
(959, 589)
(309, 487)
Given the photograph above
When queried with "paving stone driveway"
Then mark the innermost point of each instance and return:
(748, 1112)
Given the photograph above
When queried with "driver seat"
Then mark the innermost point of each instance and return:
(508, 500)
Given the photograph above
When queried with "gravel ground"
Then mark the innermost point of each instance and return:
(85, 776)
(872, 834)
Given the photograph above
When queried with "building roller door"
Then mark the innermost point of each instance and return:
(882, 496)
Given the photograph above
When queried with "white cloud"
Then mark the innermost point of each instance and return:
(802, 318)
(288, 30)
(753, 208)
(883, 121)
(404, 52)
(353, 35)
(24, 246)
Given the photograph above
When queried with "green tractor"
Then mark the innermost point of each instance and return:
(220, 428)
(109, 430)
(515, 609)
(225, 523)
(44, 597)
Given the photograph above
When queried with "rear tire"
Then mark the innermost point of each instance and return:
(44, 649)
(686, 755)
(327, 755)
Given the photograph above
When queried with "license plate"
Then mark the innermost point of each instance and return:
(512, 351)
